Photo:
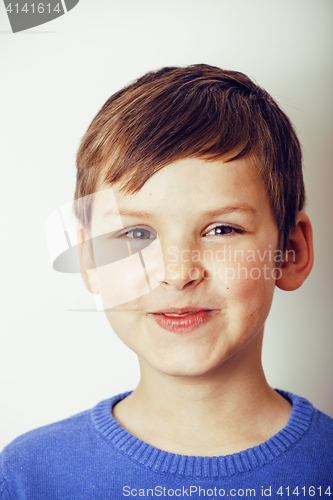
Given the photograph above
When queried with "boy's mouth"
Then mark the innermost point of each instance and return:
(182, 320)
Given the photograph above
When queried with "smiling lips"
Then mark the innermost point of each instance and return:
(183, 320)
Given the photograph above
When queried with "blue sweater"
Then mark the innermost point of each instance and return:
(91, 456)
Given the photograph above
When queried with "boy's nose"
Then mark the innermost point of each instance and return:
(180, 269)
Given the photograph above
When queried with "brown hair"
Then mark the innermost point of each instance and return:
(195, 111)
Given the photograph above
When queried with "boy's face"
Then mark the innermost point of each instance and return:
(218, 239)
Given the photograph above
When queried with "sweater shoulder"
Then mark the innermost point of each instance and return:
(51, 431)
(322, 427)
(52, 439)
(43, 456)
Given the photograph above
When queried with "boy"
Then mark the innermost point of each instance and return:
(189, 199)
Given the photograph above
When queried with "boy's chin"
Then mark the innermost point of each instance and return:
(186, 366)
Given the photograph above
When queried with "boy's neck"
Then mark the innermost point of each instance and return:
(226, 411)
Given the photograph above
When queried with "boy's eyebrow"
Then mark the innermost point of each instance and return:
(127, 213)
(242, 207)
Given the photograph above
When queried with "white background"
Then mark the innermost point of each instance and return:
(55, 362)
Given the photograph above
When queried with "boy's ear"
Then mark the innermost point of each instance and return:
(88, 265)
(298, 262)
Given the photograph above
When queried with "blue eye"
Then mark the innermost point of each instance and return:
(139, 233)
(223, 230)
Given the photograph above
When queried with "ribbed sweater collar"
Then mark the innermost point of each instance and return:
(192, 466)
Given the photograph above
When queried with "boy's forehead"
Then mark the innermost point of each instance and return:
(186, 174)
(192, 183)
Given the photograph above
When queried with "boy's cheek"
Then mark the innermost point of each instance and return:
(242, 274)
(244, 288)
(154, 264)
(122, 281)
(130, 278)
